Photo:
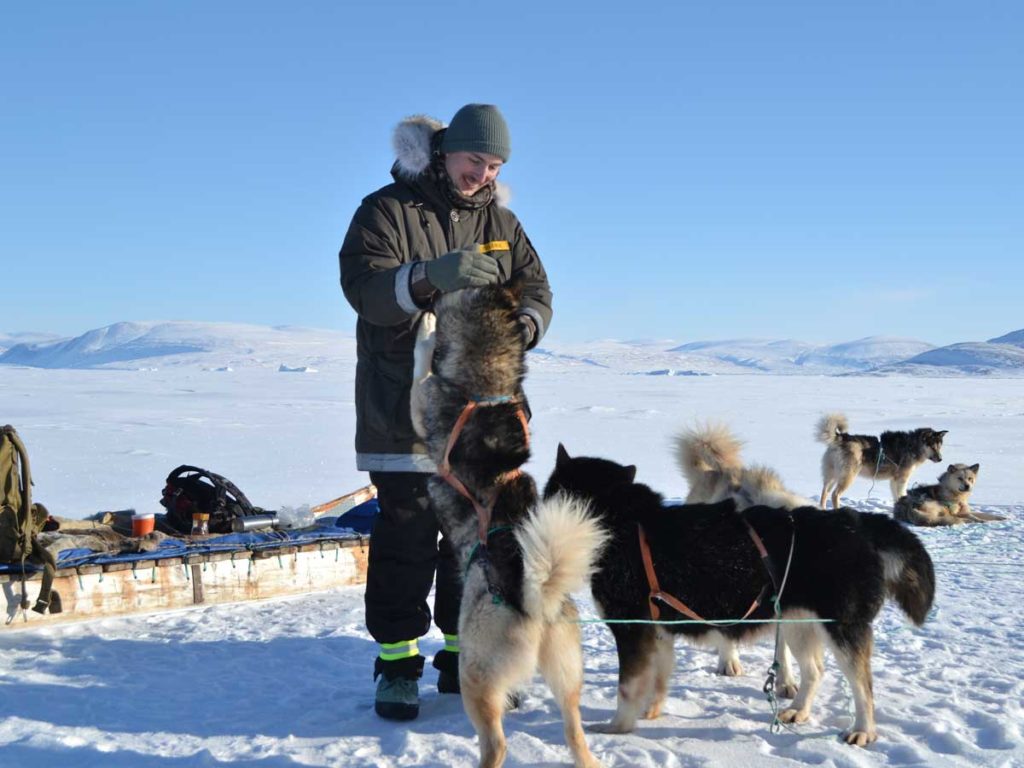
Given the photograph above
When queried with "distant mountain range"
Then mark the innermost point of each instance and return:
(219, 346)
(222, 346)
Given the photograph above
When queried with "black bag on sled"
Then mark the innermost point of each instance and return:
(192, 489)
(21, 520)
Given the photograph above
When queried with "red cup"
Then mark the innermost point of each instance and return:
(143, 523)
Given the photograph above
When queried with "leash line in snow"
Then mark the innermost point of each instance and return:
(717, 622)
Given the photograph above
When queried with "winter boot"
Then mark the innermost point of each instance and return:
(446, 663)
(398, 693)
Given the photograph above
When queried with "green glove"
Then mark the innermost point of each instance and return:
(462, 269)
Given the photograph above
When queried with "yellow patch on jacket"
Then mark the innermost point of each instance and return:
(494, 245)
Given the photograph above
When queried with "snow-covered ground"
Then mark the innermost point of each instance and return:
(288, 683)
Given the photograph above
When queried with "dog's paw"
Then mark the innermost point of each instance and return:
(794, 716)
(786, 690)
(729, 666)
(428, 324)
(612, 727)
(860, 738)
(653, 712)
(588, 761)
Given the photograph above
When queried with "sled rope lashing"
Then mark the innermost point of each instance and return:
(483, 504)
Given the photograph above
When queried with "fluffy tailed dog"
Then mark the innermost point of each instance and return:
(893, 456)
(521, 558)
(944, 503)
(709, 458)
(844, 565)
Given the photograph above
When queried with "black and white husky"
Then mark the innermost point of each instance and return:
(892, 456)
(521, 558)
(844, 565)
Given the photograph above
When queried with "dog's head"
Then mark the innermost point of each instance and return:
(480, 346)
(493, 441)
(931, 442)
(586, 476)
(960, 478)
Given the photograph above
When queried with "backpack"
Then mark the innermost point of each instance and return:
(191, 489)
(21, 520)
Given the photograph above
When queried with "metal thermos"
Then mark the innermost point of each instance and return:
(253, 522)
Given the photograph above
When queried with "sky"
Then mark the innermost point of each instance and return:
(686, 171)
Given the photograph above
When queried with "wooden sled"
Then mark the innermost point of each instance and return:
(270, 569)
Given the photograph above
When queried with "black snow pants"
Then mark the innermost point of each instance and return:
(404, 556)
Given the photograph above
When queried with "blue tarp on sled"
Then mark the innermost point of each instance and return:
(353, 524)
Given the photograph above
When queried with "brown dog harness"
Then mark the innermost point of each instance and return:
(485, 505)
(657, 596)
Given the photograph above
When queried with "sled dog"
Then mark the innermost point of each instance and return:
(709, 458)
(893, 456)
(944, 503)
(521, 557)
(844, 565)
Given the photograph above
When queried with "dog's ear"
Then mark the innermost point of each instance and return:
(515, 288)
(562, 457)
(975, 467)
(631, 471)
(942, 433)
(951, 468)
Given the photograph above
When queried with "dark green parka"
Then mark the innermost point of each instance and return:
(413, 219)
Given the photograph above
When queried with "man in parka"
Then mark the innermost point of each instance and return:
(438, 227)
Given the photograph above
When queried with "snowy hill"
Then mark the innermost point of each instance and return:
(214, 345)
(863, 354)
(737, 356)
(8, 340)
(969, 358)
(1016, 337)
(751, 355)
(218, 346)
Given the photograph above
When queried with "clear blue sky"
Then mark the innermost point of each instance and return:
(811, 170)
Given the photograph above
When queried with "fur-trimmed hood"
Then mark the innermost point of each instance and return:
(413, 144)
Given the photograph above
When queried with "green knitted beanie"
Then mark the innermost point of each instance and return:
(478, 128)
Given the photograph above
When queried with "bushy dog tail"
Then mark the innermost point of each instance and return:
(830, 426)
(561, 543)
(908, 570)
(763, 485)
(708, 448)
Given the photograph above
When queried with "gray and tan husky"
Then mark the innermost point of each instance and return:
(709, 458)
(945, 502)
(521, 557)
(892, 456)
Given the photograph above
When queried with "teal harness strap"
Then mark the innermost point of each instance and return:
(496, 399)
(480, 551)
(476, 551)
(878, 465)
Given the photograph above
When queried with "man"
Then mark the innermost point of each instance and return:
(440, 226)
